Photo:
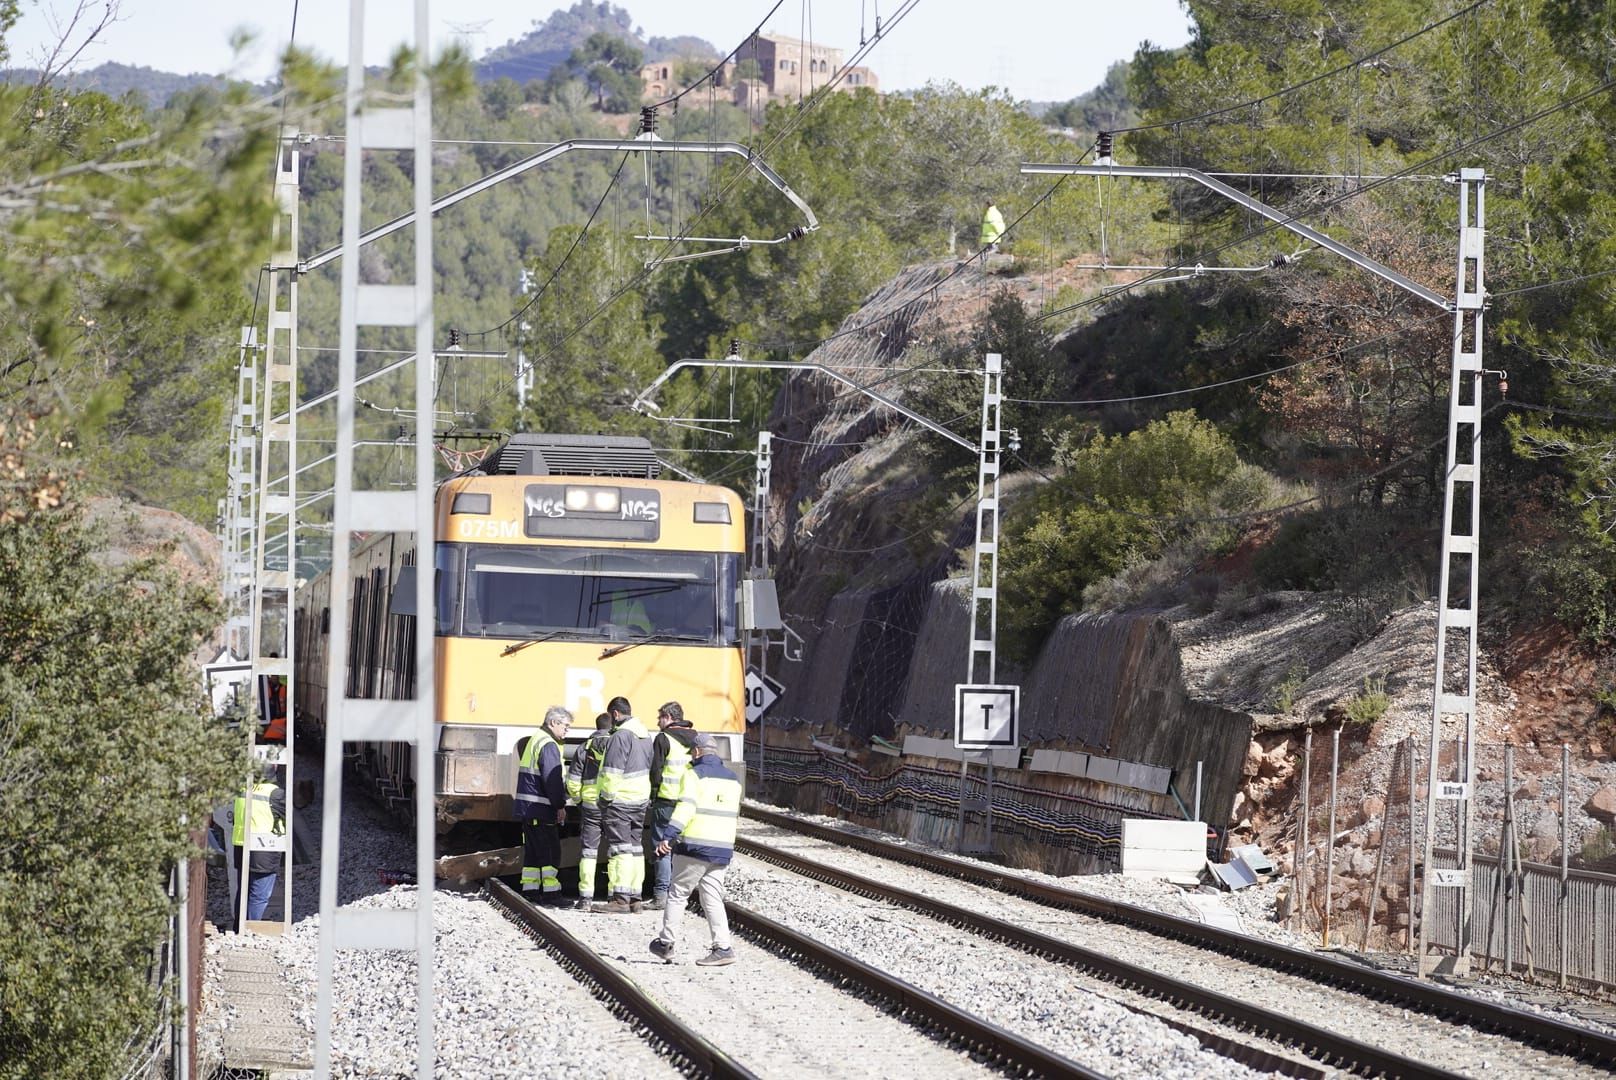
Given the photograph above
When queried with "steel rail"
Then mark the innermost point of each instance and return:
(1325, 1046)
(698, 1056)
(1518, 1024)
(916, 1006)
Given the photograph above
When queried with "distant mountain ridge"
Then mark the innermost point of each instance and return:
(115, 80)
(523, 59)
(550, 42)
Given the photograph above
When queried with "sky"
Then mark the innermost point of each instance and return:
(1040, 50)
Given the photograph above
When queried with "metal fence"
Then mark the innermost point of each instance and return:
(1539, 902)
(1532, 921)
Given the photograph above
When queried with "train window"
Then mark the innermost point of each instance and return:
(451, 561)
(594, 594)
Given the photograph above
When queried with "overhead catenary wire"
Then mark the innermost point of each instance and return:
(1316, 208)
(1254, 515)
(813, 101)
(539, 292)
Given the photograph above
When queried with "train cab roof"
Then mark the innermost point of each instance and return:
(531, 454)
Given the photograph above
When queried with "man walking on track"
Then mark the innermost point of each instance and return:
(701, 837)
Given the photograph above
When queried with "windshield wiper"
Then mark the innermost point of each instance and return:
(607, 653)
(517, 646)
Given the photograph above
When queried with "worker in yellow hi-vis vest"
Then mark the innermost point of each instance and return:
(992, 228)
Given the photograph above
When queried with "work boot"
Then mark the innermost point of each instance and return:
(584, 903)
(718, 958)
(617, 905)
(657, 903)
(636, 906)
(662, 949)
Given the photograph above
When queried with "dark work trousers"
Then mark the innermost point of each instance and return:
(659, 868)
(541, 851)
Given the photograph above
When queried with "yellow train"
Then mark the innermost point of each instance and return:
(568, 572)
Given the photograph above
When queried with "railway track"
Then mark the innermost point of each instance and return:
(1430, 1003)
(1001, 1050)
(690, 1051)
(1328, 1047)
(1529, 1028)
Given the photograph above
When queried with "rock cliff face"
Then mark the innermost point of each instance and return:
(868, 555)
(872, 583)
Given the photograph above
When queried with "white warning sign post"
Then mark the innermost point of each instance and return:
(985, 716)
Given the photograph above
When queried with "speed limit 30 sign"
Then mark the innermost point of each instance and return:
(761, 692)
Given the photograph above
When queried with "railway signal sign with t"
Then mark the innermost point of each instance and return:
(985, 716)
(761, 692)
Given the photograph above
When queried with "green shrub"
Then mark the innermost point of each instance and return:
(1598, 847)
(1371, 705)
(1122, 499)
(1583, 599)
(105, 752)
(1282, 698)
(1295, 558)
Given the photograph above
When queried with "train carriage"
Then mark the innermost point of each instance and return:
(567, 572)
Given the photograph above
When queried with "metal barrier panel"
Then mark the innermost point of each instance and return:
(1528, 924)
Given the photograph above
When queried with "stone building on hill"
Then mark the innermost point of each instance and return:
(766, 68)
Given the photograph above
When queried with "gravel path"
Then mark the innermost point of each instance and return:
(771, 1015)
(1423, 1038)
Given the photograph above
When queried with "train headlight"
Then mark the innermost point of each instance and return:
(600, 500)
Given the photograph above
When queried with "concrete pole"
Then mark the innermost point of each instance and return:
(1198, 791)
(1329, 867)
(1565, 861)
(1506, 860)
(1307, 811)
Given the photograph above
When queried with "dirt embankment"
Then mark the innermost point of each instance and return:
(1290, 661)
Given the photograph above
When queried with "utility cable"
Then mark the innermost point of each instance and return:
(1270, 226)
(1334, 354)
(539, 292)
(669, 246)
(733, 54)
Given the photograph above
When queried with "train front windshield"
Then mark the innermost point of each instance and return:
(577, 593)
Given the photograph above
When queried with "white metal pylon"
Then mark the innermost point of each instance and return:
(240, 514)
(1456, 616)
(377, 126)
(985, 557)
(984, 596)
(760, 564)
(272, 600)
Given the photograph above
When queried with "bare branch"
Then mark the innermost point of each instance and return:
(64, 54)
